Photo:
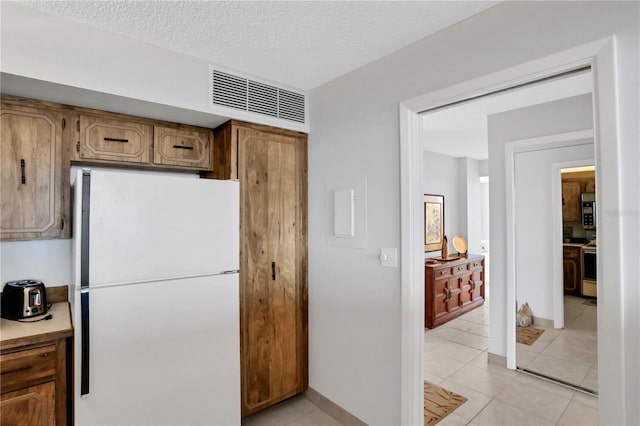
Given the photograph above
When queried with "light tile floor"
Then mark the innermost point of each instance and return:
(570, 354)
(456, 359)
(297, 411)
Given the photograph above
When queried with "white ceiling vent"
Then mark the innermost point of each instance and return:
(241, 93)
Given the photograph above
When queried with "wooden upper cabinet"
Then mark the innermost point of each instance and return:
(182, 147)
(35, 173)
(109, 139)
(571, 208)
(590, 186)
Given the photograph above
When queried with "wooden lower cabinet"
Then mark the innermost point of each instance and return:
(34, 385)
(34, 405)
(453, 288)
(572, 270)
(271, 165)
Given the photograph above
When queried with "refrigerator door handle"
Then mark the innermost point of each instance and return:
(84, 283)
(84, 343)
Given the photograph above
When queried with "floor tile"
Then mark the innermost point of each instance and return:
(459, 324)
(579, 414)
(283, 413)
(433, 378)
(480, 330)
(444, 332)
(501, 413)
(315, 418)
(571, 371)
(442, 367)
(472, 340)
(454, 350)
(583, 398)
(453, 420)
(537, 397)
(480, 380)
(591, 380)
(475, 400)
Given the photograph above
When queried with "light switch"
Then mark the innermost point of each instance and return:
(343, 213)
(389, 257)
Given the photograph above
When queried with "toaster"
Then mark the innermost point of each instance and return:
(23, 299)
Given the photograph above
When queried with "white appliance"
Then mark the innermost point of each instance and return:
(155, 300)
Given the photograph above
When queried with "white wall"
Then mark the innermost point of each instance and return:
(443, 175)
(354, 304)
(533, 248)
(473, 213)
(534, 224)
(533, 190)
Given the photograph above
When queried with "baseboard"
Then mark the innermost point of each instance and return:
(542, 322)
(333, 409)
(497, 359)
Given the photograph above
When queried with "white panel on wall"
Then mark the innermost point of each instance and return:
(347, 225)
(344, 213)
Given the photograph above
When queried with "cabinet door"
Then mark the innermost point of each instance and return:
(571, 208)
(273, 288)
(35, 177)
(455, 293)
(108, 139)
(187, 148)
(466, 288)
(440, 299)
(477, 287)
(32, 406)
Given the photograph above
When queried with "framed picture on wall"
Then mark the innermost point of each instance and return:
(433, 222)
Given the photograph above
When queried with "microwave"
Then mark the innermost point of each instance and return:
(588, 201)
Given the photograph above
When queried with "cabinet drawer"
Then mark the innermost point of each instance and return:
(182, 147)
(114, 140)
(22, 368)
(458, 269)
(439, 273)
(475, 264)
(571, 253)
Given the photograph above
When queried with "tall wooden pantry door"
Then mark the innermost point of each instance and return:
(273, 272)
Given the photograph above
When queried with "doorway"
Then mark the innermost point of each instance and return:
(557, 336)
(600, 57)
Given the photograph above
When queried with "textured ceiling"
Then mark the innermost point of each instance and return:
(301, 44)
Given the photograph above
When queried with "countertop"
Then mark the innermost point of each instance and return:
(14, 333)
(574, 244)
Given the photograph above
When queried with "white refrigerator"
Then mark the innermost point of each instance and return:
(155, 300)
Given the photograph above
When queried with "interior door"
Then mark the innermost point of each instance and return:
(270, 296)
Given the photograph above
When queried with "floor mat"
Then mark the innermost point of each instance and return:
(528, 335)
(439, 403)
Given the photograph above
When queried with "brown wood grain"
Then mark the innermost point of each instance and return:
(105, 138)
(273, 273)
(38, 206)
(453, 288)
(31, 406)
(109, 154)
(180, 147)
(57, 294)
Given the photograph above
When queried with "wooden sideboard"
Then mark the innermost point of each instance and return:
(452, 288)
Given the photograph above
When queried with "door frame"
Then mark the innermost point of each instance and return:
(557, 247)
(511, 149)
(601, 56)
